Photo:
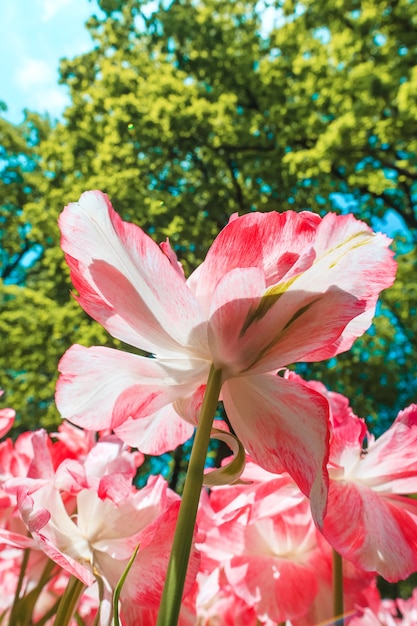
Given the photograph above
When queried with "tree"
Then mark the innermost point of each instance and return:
(195, 110)
(18, 169)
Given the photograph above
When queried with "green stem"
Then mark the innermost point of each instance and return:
(28, 602)
(69, 601)
(49, 614)
(15, 607)
(337, 584)
(181, 547)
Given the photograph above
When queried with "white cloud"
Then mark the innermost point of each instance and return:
(38, 80)
(34, 73)
(52, 100)
(32, 42)
(50, 8)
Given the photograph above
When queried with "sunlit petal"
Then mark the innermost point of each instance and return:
(100, 387)
(273, 419)
(113, 265)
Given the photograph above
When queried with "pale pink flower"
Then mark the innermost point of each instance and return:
(274, 289)
(35, 456)
(279, 514)
(380, 532)
(35, 460)
(272, 560)
(88, 518)
(369, 519)
(6, 419)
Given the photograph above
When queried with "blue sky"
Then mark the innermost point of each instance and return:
(34, 35)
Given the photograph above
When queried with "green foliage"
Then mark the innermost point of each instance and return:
(35, 332)
(192, 112)
(18, 168)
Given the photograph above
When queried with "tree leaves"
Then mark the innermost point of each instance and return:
(187, 113)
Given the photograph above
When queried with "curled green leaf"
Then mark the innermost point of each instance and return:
(232, 471)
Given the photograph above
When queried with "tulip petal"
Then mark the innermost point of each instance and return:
(284, 427)
(273, 242)
(100, 387)
(257, 330)
(357, 260)
(51, 529)
(156, 434)
(390, 465)
(125, 281)
(379, 534)
(7, 417)
(143, 587)
(288, 587)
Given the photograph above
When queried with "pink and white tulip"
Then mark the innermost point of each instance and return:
(380, 531)
(88, 517)
(274, 289)
(370, 520)
(270, 560)
(261, 535)
(6, 419)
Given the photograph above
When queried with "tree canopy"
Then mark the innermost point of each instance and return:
(187, 112)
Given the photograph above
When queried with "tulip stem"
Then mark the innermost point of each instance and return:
(15, 607)
(337, 584)
(69, 601)
(181, 547)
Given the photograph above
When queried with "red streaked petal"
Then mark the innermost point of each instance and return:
(260, 333)
(357, 260)
(270, 241)
(278, 588)
(100, 387)
(390, 465)
(284, 427)
(125, 281)
(143, 587)
(51, 528)
(379, 534)
(156, 434)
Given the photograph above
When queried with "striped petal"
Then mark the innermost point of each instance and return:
(156, 434)
(284, 427)
(390, 465)
(273, 242)
(254, 330)
(100, 388)
(126, 282)
(357, 260)
(379, 534)
(278, 588)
